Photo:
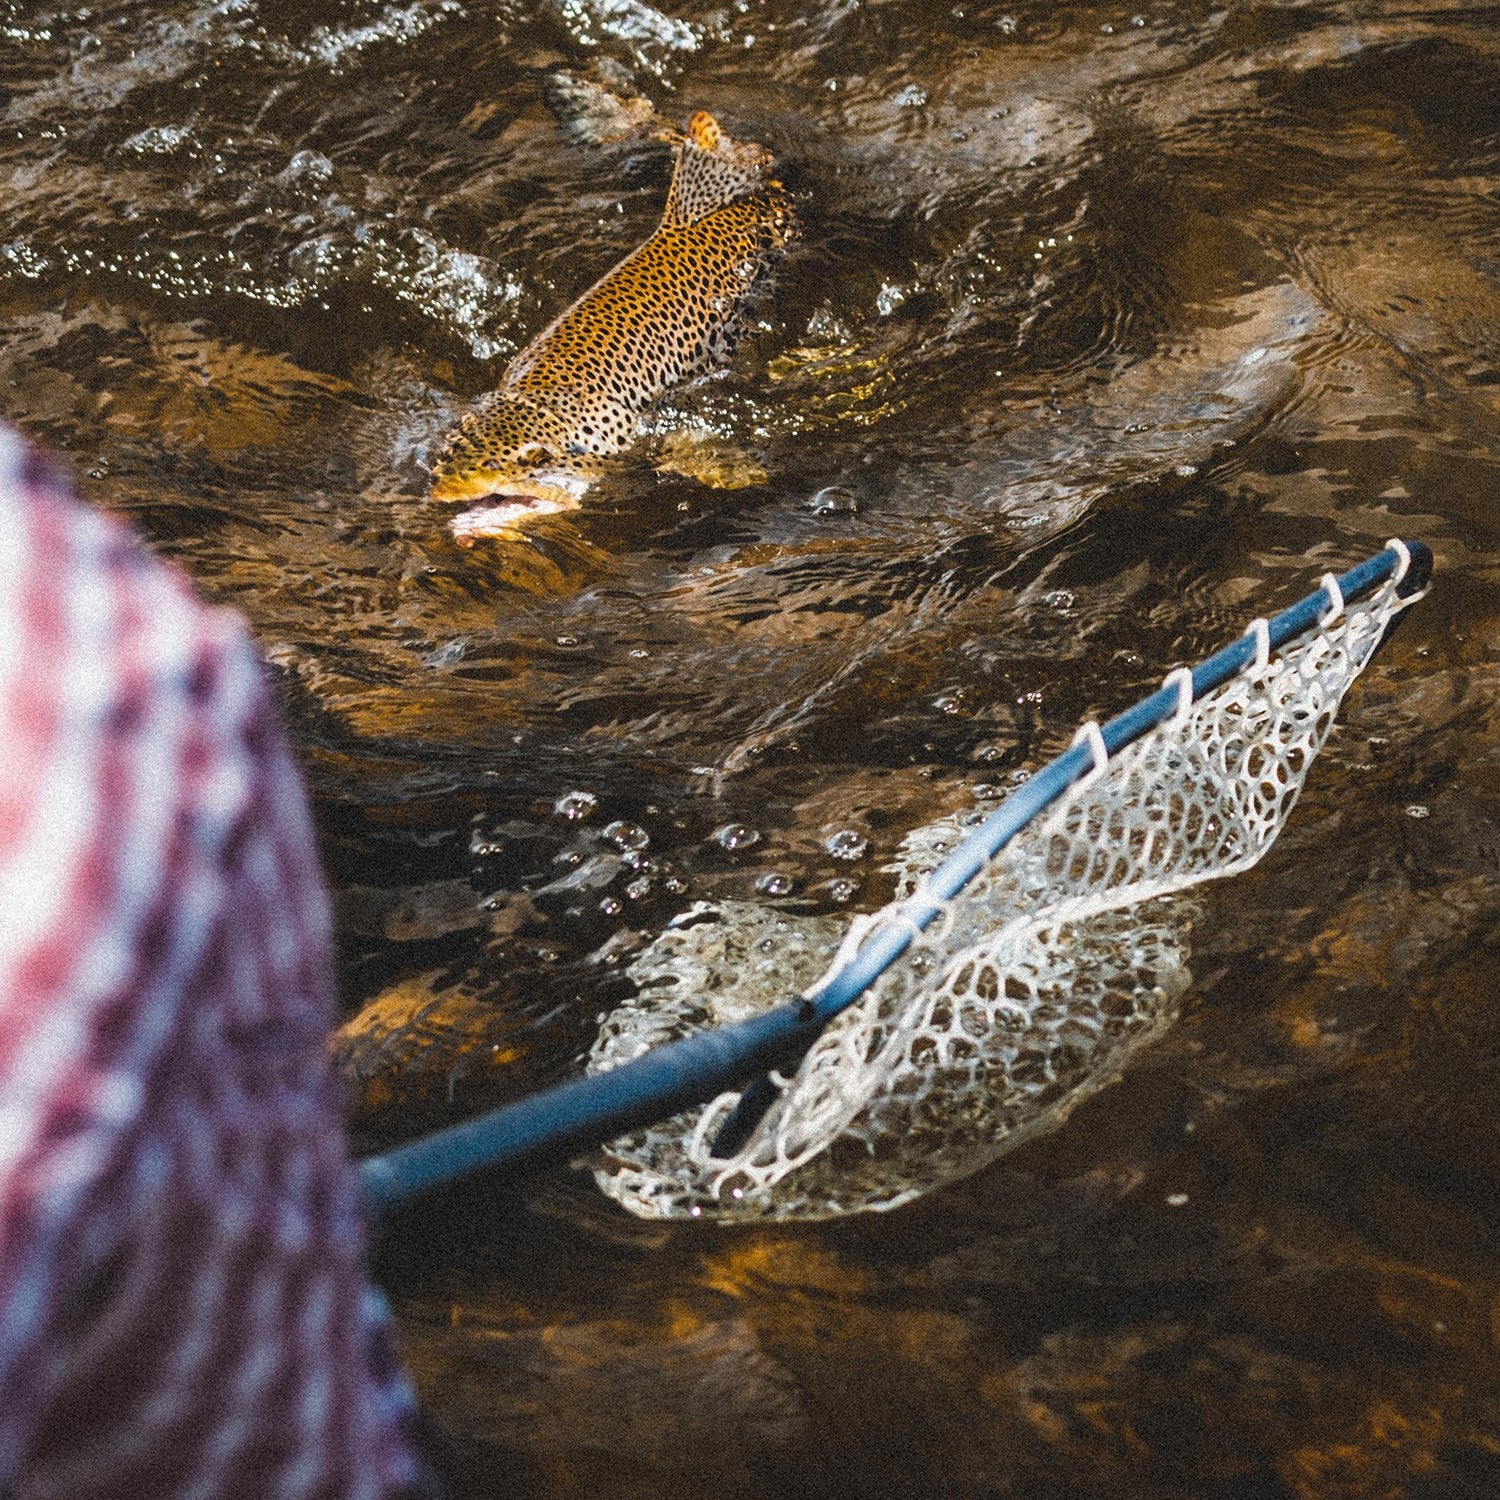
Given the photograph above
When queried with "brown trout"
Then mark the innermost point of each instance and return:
(575, 394)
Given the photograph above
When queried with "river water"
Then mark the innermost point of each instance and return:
(1108, 330)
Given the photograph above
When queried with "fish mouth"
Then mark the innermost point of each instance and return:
(506, 516)
(507, 505)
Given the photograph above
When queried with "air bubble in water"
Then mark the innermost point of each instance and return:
(311, 166)
(625, 835)
(736, 836)
(575, 806)
(834, 500)
(842, 890)
(157, 140)
(315, 261)
(611, 906)
(775, 884)
(847, 844)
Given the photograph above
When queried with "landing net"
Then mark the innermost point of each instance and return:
(1016, 997)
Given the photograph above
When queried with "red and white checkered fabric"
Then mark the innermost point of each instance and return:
(183, 1309)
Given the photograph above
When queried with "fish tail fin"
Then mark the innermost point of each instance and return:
(712, 171)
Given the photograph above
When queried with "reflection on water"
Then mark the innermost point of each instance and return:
(1111, 328)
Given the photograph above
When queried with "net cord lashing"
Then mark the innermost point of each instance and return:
(1182, 680)
(1259, 631)
(1090, 735)
(1335, 600)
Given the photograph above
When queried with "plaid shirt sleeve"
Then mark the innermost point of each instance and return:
(183, 1308)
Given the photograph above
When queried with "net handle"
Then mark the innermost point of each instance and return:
(586, 1112)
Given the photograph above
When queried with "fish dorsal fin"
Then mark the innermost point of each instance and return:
(712, 171)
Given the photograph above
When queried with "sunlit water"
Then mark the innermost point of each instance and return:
(1109, 330)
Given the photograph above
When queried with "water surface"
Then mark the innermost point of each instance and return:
(1115, 328)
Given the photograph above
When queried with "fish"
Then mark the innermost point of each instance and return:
(575, 395)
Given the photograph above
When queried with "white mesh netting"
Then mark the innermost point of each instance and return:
(1027, 994)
